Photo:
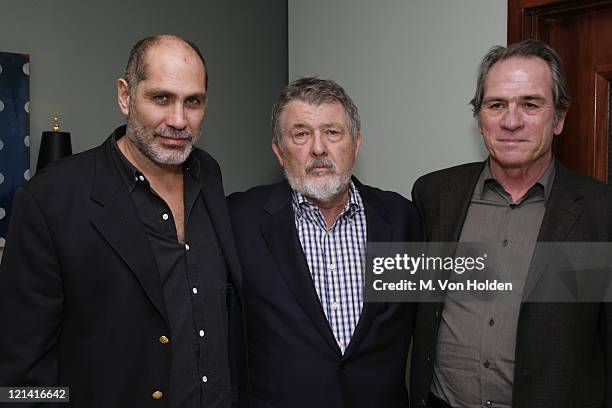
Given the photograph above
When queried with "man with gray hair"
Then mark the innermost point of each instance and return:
(498, 353)
(312, 340)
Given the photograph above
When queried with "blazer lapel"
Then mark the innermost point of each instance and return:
(283, 242)
(454, 204)
(378, 230)
(117, 220)
(562, 209)
(562, 212)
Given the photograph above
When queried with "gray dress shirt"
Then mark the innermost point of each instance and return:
(474, 364)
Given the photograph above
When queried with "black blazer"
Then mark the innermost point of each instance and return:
(563, 352)
(294, 360)
(80, 297)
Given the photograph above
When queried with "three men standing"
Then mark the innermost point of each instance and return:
(115, 276)
(489, 354)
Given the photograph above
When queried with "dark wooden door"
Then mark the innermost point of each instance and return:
(581, 33)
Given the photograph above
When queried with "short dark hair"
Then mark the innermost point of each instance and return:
(315, 91)
(136, 69)
(527, 49)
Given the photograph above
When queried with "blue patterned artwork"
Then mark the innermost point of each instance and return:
(14, 131)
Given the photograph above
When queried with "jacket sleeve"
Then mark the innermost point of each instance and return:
(31, 298)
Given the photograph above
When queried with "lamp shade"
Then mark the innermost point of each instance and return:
(53, 146)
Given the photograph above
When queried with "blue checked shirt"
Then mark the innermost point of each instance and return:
(336, 258)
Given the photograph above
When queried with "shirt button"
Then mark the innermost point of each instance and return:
(165, 216)
(331, 266)
(201, 333)
(164, 340)
(488, 404)
(157, 395)
(195, 291)
(187, 247)
(487, 364)
(491, 322)
(335, 306)
(204, 379)
(141, 177)
(505, 242)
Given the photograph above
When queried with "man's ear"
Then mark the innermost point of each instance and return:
(278, 152)
(478, 122)
(558, 128)
(123, 96)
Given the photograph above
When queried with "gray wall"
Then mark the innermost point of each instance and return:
(410, 67)
(79, 48)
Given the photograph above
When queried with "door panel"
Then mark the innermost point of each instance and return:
(581, 33)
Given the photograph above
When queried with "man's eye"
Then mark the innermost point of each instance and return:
(333, 132)
(495, 105)
(160, 98)
(530, 105)
(193, 101)
(300, 137)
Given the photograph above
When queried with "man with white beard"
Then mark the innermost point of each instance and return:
(312, 340)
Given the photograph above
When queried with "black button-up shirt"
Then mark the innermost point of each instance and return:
(193, 278)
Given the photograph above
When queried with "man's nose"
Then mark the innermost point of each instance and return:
(176, 117)
(318, 147)
(512, 118)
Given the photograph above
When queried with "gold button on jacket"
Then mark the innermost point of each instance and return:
(164, 340)
(157, 395)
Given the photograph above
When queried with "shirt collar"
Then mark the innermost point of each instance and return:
(352, 207)
(544, 183)
(129, 173)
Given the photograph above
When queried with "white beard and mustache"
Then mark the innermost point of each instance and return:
(320, 188)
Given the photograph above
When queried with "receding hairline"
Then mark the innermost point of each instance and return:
(542, 61)
(138, 62)
(171, 40)
(524, 58)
